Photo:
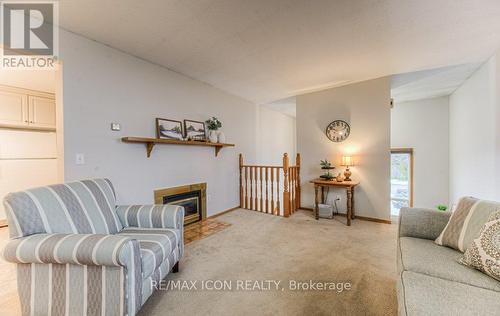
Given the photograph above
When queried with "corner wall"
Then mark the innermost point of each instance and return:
(276, 135)
(475, 134)
(424, 126)
(366, 107)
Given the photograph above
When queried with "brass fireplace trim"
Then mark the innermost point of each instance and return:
(202, 187)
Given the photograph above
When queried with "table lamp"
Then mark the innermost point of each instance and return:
(348, 162)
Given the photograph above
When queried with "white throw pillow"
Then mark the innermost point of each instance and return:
(484, 252)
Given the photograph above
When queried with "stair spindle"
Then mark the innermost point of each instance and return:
(267, 191)
(251, 188)
(256, 188)
(261, 197)
(272, 191)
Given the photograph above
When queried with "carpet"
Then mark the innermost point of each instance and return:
(259, 249)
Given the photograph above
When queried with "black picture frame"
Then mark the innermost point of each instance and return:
(170, 129)
(195, 130)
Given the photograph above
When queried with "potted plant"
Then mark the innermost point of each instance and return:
(213, 125)
(326, 165)
(442, 207)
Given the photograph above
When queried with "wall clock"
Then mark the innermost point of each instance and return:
(337, 131)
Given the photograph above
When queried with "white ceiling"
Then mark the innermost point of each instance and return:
(432, 83)
(265, 50)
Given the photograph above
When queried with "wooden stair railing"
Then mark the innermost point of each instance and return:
(261, 189)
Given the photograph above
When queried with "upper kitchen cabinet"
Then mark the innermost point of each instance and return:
(13, 108)
(42, 112)
(27, 109)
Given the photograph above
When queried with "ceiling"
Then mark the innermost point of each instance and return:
(418, 85)
(266, 50)
(432, 83)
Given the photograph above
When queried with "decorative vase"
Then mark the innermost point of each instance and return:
(347, 174)
(221, 138)
(212, 136)
(339, 178)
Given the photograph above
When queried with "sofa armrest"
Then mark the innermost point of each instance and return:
(151, 216)
(120, 255)
(79, 249)
(422, 223)
(154, 216)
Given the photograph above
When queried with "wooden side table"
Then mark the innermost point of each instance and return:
(348, 185)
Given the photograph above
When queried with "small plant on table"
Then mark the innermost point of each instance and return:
(326, 165)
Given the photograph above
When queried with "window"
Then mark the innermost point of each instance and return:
(401, 179)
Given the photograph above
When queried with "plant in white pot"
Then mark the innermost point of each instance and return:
(213, 125)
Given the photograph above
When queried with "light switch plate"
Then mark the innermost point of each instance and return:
(80, 159)
(115, 126)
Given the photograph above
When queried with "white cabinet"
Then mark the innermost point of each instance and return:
(22, 174)
(42, 112)
(27, 109)
(13, 108)
(28, 158)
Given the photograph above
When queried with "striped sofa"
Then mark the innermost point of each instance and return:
(78, 253)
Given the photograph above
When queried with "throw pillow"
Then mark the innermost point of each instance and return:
(466, 222)
(484, 252)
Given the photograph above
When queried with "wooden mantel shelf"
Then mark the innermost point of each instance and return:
(151, 142)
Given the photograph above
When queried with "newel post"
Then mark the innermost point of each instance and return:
(297, 162)
(241, 181)
(286, 190)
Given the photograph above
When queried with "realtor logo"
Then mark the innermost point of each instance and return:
(29, 34)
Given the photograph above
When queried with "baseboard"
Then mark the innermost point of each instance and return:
(306, 208)
(3, 223)
(363, 218)
(224, 212)
(373, 219)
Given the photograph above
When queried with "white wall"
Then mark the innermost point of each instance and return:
(423, 126)
(497, 125)
(366, 107)
(474, 135)
(102, 85)
(276, 136)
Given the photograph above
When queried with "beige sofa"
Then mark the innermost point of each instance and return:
(431, 281)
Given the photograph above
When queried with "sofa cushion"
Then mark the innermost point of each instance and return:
(484, 252)
(424, 256)
(155, 244)
(420, 294)
(466, 222)
(81, 207)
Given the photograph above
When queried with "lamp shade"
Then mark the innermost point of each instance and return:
(347, 161)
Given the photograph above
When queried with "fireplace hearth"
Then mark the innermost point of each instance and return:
(192, 197)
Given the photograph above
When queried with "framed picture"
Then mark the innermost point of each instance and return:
(168, 129)
(195, 130)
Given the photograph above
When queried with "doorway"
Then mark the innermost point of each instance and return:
(401, 179)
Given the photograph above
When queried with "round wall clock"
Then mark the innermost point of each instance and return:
(337, 131)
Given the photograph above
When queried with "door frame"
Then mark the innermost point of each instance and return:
(408, 151)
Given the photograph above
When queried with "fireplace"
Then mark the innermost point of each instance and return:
(192, 197)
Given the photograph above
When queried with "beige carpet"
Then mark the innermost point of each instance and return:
(264, 247)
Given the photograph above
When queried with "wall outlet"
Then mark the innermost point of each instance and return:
(80, 159)
(115, 126)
